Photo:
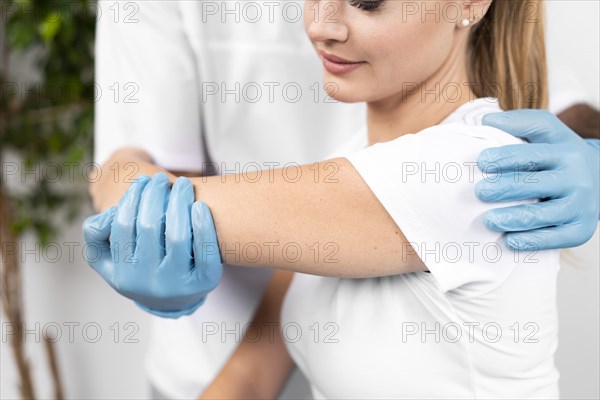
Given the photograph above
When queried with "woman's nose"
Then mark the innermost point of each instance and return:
(324, 21)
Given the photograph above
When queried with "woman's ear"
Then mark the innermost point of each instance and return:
(474, 11)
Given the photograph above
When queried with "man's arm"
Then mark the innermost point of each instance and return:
(116, 174)
(136, 48)
(259, 368)
(583, 120)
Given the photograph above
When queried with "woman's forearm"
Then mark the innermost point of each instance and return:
(319, 219)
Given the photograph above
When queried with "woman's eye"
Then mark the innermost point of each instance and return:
(367, 5)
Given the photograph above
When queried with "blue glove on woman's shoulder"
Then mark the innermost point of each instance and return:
(557, 166)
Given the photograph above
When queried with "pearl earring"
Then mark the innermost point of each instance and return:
(467, 21)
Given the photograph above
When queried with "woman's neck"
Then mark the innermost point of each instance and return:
(419, 107)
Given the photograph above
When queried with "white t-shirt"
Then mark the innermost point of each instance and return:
(482, 324)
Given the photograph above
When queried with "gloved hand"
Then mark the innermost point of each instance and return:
(565, 177)
(145, 249)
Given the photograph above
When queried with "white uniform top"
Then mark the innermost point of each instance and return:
(181, 79)
(482, 324)
(199, 77)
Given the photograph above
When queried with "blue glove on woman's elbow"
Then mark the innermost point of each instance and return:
(157, 247)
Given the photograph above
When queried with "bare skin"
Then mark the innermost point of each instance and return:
(258, 368)
(583, 119)
(305, 218)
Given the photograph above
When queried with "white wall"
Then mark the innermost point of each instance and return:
(59, 293)
(574, 42)
(573, 32)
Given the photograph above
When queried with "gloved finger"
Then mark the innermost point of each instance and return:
(536, 126)
(96, 230)
(519, 157)
(517, 186)
(123, 233)
(527, 217)
(594, 143)
(178, 229)
(150, 224)
(207, 256)
(173, 314)
(557, 237)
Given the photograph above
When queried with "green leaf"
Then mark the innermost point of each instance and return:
(76, 154)
(50, 26)
(55, 141)
(56, 127)
(20, 34)
(23, 4)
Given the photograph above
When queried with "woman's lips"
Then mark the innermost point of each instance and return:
(338, 65)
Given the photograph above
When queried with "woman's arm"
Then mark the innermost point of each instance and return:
(320, 218)
(259, 368)
(323, 219)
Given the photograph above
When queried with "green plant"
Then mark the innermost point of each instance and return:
(42, 123)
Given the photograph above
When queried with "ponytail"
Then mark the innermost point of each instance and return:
(508, 54)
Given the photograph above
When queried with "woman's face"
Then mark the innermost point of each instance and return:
(374, 49)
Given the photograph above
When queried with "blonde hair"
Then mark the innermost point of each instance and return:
(508, 54)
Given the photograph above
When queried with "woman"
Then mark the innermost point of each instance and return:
(455, 314)
(420, 335)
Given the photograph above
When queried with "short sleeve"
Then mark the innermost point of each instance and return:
(426, 182)
(146, 84)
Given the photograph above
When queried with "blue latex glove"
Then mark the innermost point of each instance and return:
(567, 180)
(162, 258)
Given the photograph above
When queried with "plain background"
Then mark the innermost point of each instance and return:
(111, 365)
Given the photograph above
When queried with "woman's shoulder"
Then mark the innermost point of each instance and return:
(456, 135)
(472, 112)
(465, 125)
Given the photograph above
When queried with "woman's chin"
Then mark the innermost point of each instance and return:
(344, 93)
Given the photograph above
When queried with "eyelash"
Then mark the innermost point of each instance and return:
(366, 5)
